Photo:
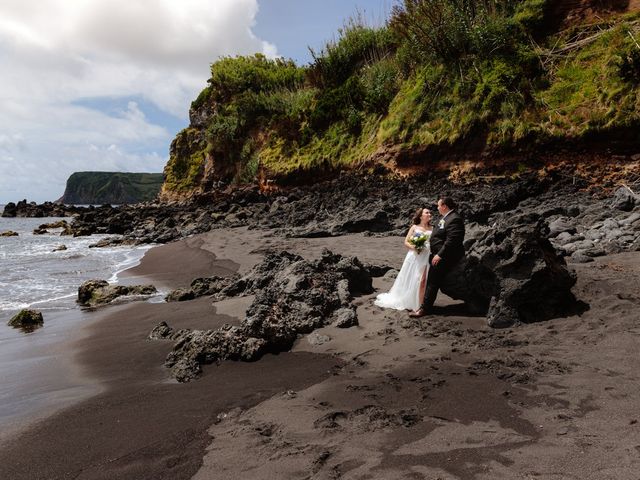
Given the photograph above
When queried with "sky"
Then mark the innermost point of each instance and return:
(105, 85)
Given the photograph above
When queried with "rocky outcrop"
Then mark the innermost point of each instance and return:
(27, 320)
(513, 274)
(201, 287)
(351, 204)
(293, 296)
(98, 292)
(597, 227)
(43, 228)
(625, 199)
(34, 210)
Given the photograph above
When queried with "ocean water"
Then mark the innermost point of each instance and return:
(37, 371)
(33, 275)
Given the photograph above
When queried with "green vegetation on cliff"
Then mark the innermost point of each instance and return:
(111, 187)
(440, 78)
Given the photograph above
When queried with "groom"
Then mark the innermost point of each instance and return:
(446, 250)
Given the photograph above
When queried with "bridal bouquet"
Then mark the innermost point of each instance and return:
(419, 240)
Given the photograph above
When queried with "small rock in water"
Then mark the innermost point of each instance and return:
(107, 242)
(60, 248)
(9, 233)
(27, 320)
(58, 224)
(97, 292)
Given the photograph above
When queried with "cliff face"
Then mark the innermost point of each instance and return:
(111, 187)
(514, 86)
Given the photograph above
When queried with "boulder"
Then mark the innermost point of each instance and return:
(59, 224)
(196, 347)
(180, 295)
(561, 225)
(376, 270)
(201, 287)
(107, 242)
(98, 292)
(345, 318)
(580, 256)
(513, 274)
(9, 233)
(624, 199)
(10, 210)
(162, 331)
(632, 219)
(27, 320)
(316, 339)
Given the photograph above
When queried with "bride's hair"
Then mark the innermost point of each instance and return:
(417, 217)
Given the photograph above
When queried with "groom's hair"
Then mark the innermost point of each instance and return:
(449, 202)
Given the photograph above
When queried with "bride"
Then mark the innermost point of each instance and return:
(408, 289)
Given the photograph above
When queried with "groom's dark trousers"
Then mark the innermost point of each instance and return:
(447, 242)
(434, 280)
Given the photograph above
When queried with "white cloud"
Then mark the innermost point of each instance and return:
(55, 53)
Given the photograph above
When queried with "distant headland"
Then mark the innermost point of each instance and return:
(111, 187)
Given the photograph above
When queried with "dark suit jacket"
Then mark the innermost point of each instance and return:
(447, 241)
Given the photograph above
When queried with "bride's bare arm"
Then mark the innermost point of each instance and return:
(406, 240)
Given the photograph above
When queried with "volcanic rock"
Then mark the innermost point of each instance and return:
(293, 296)
(317, 339)
(98, 292)
(624, 199)
(201, 287)
(31, 209)
(107, 242)
(180, 295)
(27, 320)
(345, 318)
(513, 274)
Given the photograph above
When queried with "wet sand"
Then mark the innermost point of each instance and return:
(39, 374)
(443, 397)
(145, 425)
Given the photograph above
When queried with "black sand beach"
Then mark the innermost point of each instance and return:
(444, 397)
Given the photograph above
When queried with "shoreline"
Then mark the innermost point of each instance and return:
(39, 374)
(138, 400)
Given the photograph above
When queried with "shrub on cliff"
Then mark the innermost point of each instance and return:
(356, 46)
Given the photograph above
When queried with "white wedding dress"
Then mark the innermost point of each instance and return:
(405, 291)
